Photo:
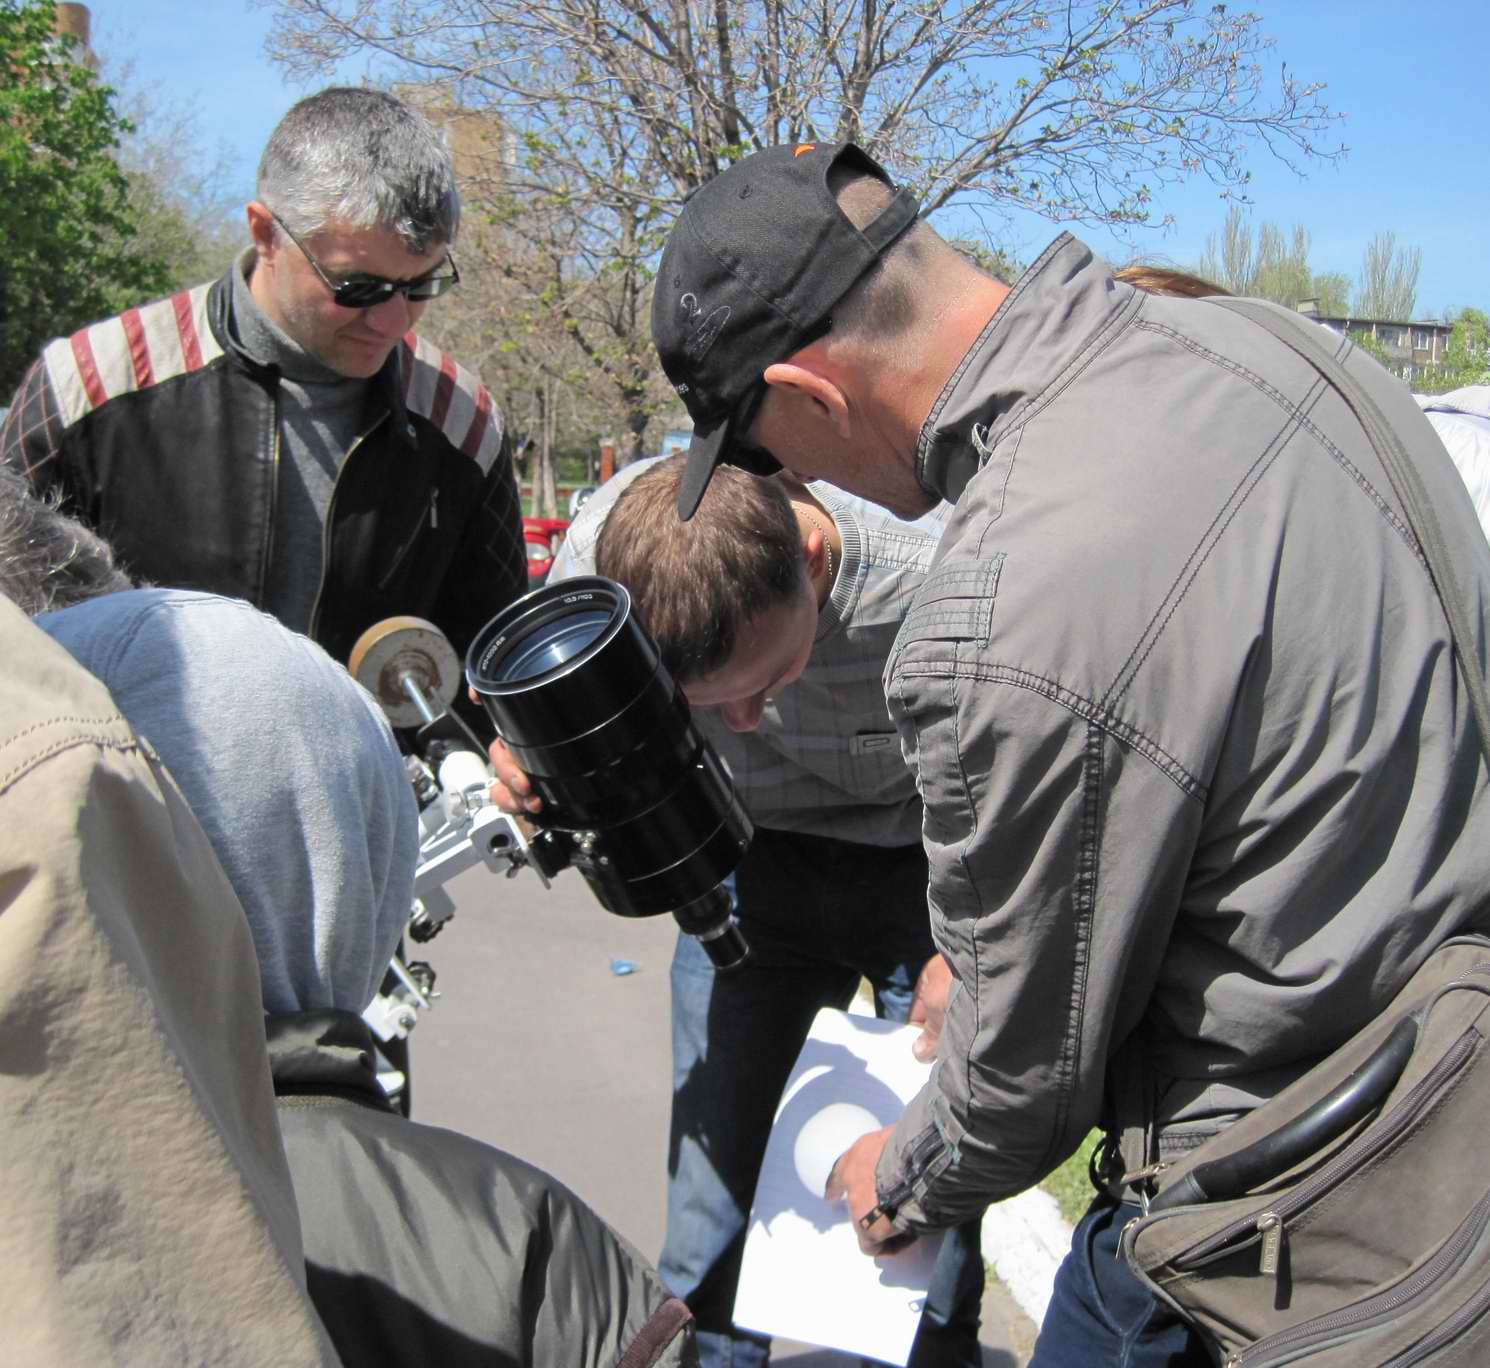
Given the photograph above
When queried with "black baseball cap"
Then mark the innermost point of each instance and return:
(750, 274)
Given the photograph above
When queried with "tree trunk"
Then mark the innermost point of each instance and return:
(545, 492)
(637, 418)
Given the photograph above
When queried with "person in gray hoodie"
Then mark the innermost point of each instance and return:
(421, 1245)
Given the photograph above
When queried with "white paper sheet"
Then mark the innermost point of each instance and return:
(803, 1276)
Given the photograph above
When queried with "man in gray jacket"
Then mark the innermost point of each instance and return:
(1201, 787)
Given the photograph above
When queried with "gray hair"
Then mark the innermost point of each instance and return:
(47, 559)
(364, 159)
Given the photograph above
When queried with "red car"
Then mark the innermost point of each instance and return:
(543, 538)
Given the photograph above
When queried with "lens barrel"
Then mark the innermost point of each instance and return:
(577, 692)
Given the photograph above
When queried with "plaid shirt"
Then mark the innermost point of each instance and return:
(825, 760)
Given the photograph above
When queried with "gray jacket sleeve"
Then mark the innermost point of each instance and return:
(1029, 802)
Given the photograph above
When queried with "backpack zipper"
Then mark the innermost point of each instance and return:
(1351, 1157)
(1382, 1307)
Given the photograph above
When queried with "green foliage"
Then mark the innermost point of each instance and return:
(1469, 343)
(64, 202)
(1272, 265)
(1466, 359)
(165, 230)
(1388, 285)
(1373, 348)
(1332, 290)
(994, 261)
(180, 205)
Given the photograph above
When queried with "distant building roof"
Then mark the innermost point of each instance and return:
(1353, 319)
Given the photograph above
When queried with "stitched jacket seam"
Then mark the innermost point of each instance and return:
(1104, 337)
(1089, 710)
(972, 883)
(917, 1178)
(71, 741)
(1297, 419)
(1185, 579)
(1084, 906)
(1349, 468)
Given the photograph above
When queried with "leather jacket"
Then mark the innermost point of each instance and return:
(161, 432)
(426, 1246)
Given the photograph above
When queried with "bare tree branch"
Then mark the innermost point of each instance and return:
(1081, 110)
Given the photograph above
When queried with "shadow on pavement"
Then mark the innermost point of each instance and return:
(827, 1358)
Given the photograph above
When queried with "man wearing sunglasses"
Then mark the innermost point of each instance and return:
(282, 435)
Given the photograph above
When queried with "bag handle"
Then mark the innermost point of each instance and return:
(1301, 337)
(1329, 1118)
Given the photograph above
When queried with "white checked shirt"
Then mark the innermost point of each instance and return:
(825, 759)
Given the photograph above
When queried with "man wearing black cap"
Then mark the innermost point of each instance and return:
(1163, 752)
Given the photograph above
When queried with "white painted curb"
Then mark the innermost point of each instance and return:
(1025, 1239)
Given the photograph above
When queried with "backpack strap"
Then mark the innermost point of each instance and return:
(1302, 337)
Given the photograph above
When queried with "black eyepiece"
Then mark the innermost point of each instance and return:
(632, 793)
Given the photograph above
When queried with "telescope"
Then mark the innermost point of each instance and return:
(633, 795)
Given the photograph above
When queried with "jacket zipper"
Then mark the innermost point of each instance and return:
(1462, 1319)
(431, 517)
(268, 557)
(1268, 1225)
(326, 530)
(916, 1160)
(1352, 1320)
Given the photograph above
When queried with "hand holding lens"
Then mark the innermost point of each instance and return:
(633, 795)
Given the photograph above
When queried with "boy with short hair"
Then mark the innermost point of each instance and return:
(776, 608)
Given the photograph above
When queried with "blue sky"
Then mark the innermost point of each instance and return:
(1411, 78)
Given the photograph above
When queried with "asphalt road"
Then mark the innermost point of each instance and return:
(536, 1045)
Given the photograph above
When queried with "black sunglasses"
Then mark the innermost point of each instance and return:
(368, 291)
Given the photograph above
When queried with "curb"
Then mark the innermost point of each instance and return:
(1025, 1238)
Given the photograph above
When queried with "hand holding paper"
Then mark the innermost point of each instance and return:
(824, 1138)
(803, 1276)
(852, 1179)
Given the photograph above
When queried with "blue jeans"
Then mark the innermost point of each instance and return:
(1100, 1315)
(819, 914)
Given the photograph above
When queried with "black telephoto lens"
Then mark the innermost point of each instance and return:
(576, 691)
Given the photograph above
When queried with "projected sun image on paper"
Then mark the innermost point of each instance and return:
(803, 1276)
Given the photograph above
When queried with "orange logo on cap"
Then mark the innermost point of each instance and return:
(803, 147)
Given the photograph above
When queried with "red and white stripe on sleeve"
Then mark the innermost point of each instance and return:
(439, 388)
(132, 351)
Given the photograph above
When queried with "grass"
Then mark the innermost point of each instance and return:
(1070, 1185)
